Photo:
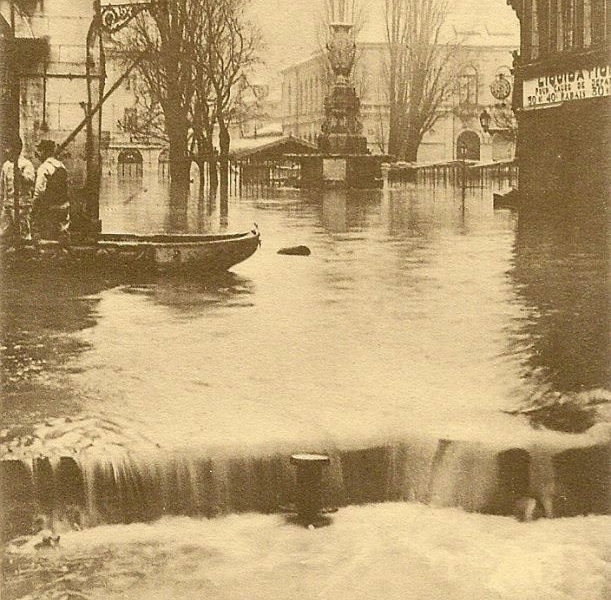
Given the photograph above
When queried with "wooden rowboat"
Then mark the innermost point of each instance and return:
(201, 253)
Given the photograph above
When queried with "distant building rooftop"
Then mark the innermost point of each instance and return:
(469, 22)
(268, 148)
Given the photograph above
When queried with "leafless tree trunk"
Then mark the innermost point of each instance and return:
(418, 71)
(196, 52)
(167, 41)
(229, 50)
(203, 119)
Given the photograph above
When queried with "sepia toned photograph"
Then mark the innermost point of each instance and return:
(305, 300)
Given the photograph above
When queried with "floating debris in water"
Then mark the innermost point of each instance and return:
(65, 436)
(295, 251)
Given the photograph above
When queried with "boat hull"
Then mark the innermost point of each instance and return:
(160, 253)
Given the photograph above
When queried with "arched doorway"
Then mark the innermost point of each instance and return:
(129, 163)
(468, 146)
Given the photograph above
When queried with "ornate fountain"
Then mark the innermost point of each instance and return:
(343, 159)
(341, 130)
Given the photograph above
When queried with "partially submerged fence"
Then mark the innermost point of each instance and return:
(500, 175)
(252, 177)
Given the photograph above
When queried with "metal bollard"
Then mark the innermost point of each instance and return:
(309, 487)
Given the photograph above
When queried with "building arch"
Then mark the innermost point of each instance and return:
(129, 162)
(468, 146)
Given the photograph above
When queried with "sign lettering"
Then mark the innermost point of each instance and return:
(566, 87)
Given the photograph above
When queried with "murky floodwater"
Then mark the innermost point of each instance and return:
(417, 318)
(411, 309)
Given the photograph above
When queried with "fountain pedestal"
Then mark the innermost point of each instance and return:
(341, 170)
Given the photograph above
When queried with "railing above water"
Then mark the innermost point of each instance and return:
(500, 175)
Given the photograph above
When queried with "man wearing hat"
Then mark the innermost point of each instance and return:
(19, 226)
(51, 206)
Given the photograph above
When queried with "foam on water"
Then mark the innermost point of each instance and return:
(394, 348)
(90, 471)
(383, 552)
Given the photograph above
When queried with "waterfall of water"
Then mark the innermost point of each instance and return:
(84, 491)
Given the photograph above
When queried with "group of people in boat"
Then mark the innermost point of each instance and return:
(42, 207)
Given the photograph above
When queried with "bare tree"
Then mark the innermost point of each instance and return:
(229, 50)
(195, 54)
(418, 71)
(147, 121)
(203, 121)
(168, 41)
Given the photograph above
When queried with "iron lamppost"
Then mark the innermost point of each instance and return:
(109, 17)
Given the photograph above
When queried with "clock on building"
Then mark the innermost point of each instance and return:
(500, 88)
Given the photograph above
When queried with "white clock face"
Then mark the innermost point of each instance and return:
(500, 88)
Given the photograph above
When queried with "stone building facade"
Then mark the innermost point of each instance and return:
(562, 98)
(123, 152)
(486, 44)
(50, 63)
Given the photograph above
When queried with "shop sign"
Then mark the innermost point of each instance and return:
(566, 87)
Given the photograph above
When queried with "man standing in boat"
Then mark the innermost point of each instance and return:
(18, 225)
(51, 206)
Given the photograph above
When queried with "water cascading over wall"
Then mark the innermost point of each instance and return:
(84, 491)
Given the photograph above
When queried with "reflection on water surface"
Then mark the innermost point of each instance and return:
(414, 310)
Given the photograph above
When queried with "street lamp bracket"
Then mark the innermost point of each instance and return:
(114, 17)
(484, 119)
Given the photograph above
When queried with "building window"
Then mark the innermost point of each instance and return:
(599, 22)
(587, 23)
(289, 94)
(129, 163)
(556, 25)
(130, 119)
(578, 11)
(543, 28)
(311, 95)
(300, 98)
(467, 87)
(534, 29)
(568, 22)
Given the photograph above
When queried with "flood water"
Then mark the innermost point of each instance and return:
(417, 316)
(412, 309)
